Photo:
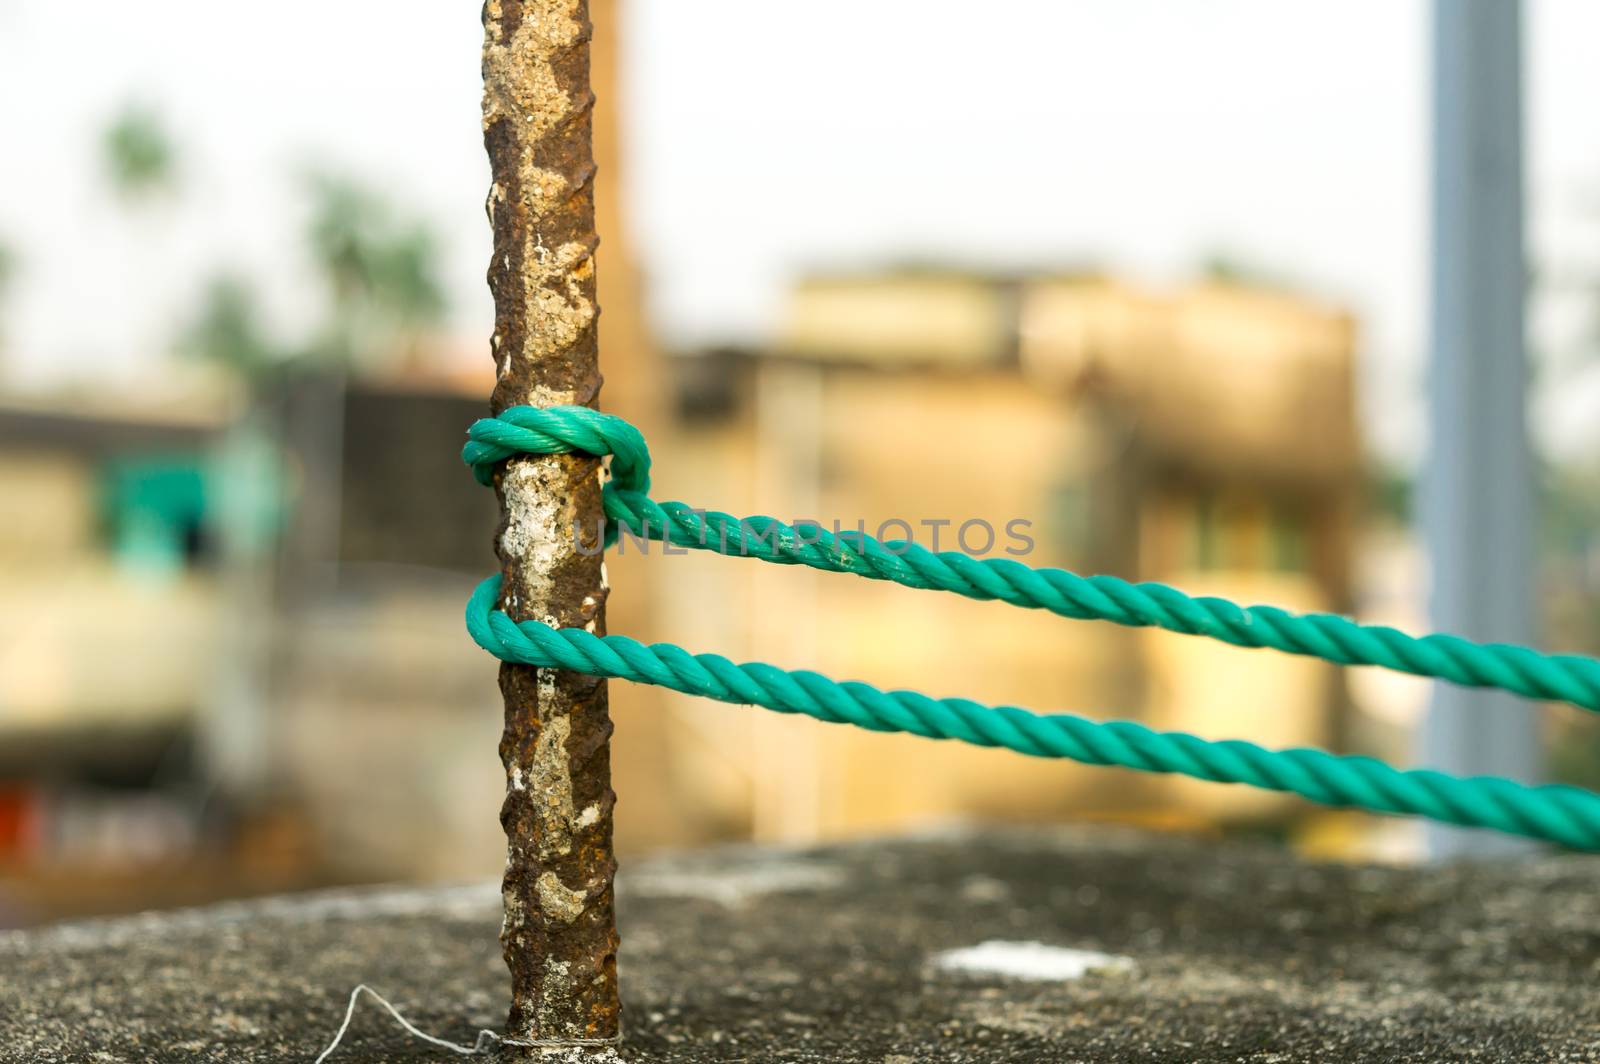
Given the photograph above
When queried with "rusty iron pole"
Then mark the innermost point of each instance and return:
(559, 935)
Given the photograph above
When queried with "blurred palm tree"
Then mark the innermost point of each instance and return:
(138, 153)
(381, 271)
(381, 293)
(227, 331)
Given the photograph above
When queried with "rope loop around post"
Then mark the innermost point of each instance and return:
(559, 430)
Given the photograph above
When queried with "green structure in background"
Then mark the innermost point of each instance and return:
(165, 512)
(155, 511)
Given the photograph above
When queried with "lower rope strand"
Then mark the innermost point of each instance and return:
(1567, 815)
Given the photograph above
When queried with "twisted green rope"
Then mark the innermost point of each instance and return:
(525, 430)
(1566, 815)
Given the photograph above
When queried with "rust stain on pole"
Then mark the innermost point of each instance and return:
(559, 935)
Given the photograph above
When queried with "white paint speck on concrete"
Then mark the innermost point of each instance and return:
(734, 883)
(1028, 960)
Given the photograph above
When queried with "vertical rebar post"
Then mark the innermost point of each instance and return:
(559, 934)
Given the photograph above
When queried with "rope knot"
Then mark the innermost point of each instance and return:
(559, 430)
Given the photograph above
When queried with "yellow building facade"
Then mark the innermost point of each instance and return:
(1203, 438)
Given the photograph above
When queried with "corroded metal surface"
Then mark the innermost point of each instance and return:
(559, 934)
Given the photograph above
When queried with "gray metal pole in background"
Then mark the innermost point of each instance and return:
(1477, 485)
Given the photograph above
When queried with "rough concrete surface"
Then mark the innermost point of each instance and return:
(1238, 953)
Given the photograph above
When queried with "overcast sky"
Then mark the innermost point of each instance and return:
(765, 137)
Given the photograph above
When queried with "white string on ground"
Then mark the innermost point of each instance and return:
(485, 1039)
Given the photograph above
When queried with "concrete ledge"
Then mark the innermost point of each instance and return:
(1212, 953)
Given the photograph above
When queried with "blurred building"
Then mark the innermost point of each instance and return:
(102, 538)
(1204, 438)
(233, 656)
(108, 627)
(231, 652)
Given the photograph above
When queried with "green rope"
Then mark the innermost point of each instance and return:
(525, 430)
(1566, 815)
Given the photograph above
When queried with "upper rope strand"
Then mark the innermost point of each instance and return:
(526, 430)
